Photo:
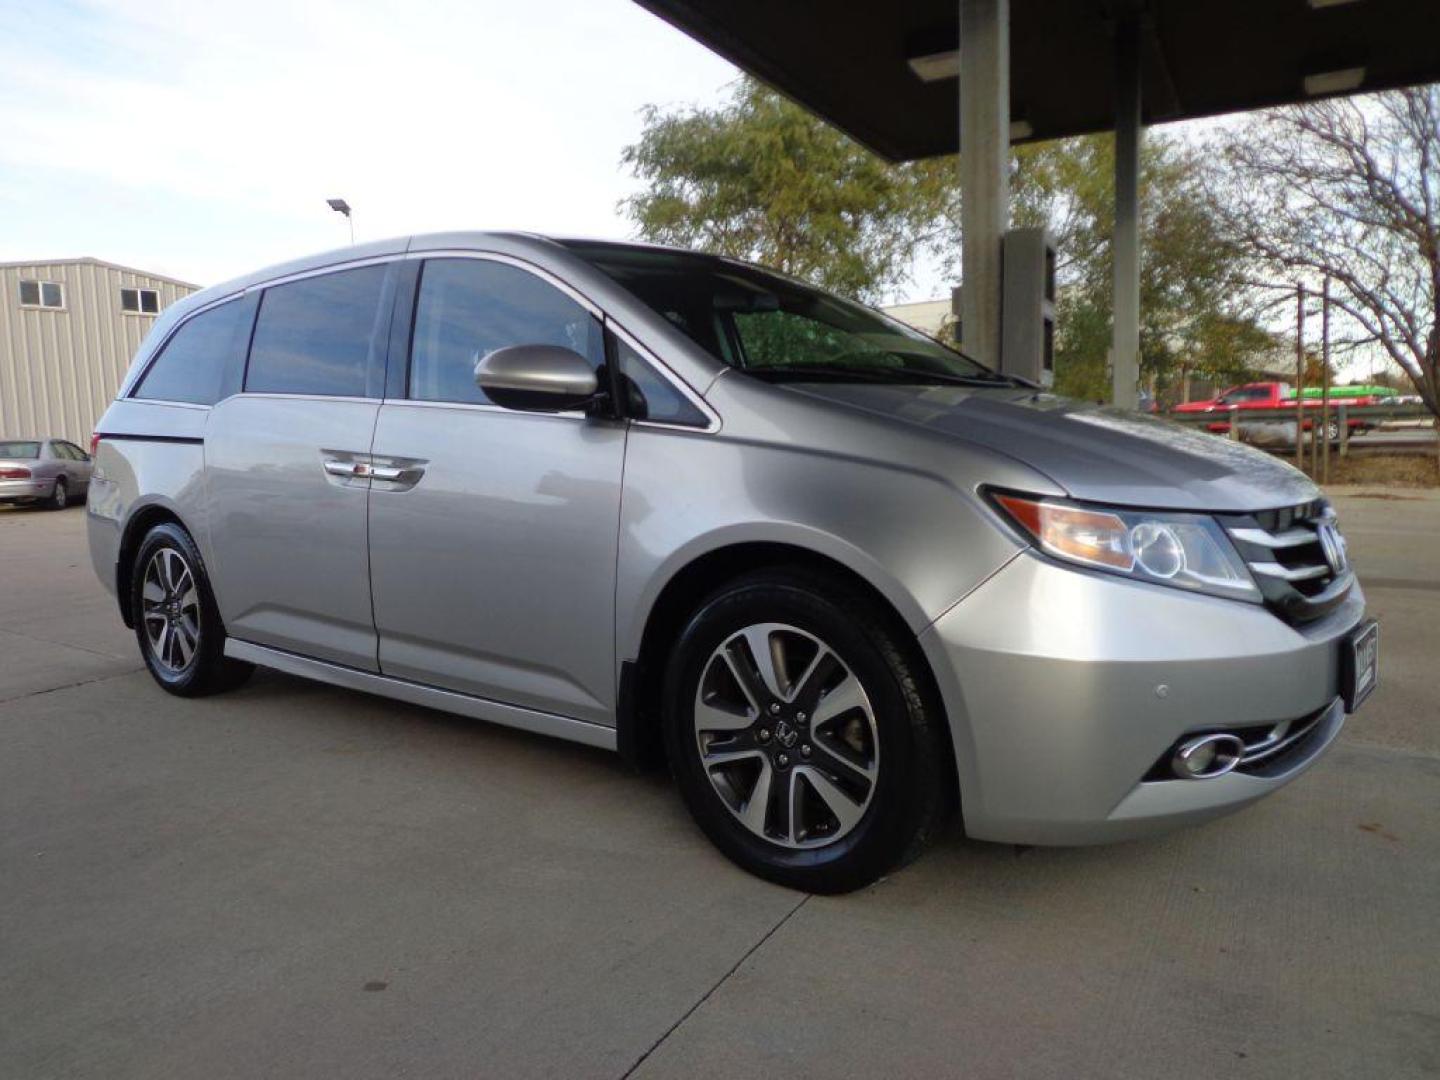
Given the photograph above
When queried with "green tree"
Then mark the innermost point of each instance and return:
(760, 178)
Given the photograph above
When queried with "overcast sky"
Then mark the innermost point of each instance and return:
(200, 139)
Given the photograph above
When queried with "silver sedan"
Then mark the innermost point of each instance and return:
(53, 471)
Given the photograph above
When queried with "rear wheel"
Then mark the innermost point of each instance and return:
(60, 496)
(176, 621)
(799, 733)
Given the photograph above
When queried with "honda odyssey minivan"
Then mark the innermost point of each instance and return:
(842, 578)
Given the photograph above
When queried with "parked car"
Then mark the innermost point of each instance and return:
(1281, 395)
(841, 576)
(50, 471)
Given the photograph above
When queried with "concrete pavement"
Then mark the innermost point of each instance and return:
(293, 880)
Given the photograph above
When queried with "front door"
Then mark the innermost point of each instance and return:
(493, 533)
(287, 463)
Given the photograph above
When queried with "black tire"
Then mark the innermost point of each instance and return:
(912, 775)
(205, 669)
(59, 496)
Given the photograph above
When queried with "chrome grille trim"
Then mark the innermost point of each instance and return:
(1288, 539)
(1287, 573)
(1285, 734)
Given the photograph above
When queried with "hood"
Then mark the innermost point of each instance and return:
(1093, 452)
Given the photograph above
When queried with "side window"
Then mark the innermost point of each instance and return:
(651, 396)
(58, 451)
(469, 307)
(192, 365)
(76, 454)
(319, 335)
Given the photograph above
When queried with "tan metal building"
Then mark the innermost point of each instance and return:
(68, 329)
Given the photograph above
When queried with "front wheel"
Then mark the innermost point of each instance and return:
(60, 496)
(799, 732)
(177, 622)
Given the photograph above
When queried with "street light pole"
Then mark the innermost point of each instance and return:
(1300, 375)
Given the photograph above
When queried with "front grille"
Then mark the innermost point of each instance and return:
(1297, 556)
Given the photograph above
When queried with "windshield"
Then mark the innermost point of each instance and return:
(16, 450)
(774, 327)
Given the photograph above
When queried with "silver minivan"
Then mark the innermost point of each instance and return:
(840, 577)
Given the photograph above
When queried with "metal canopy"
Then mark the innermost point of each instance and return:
(849, 60)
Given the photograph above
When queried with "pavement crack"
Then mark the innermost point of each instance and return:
(62, 644)
(709, 993)
(70, 686)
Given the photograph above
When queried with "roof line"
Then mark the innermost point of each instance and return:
(90, 260)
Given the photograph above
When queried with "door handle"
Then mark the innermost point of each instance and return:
(345, 469)
(394, 472)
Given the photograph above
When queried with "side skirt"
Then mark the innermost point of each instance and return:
(541, 723)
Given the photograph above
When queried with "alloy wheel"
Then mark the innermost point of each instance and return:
(171, 612)
(786, 736)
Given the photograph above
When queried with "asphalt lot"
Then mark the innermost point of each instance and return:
(294, 880)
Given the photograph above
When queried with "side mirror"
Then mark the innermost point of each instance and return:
(537, 378)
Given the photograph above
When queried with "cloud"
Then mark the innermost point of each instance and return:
(201, 139)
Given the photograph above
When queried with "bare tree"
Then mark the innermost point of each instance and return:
(1350, 188)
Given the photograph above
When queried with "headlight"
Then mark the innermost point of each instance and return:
(1187, 551)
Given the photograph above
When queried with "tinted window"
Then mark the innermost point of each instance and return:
(76, 454)
(192, 365)
(61, 451)
(319, 336)
(651, 396)
(469, 307)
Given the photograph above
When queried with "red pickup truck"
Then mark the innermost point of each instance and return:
(1276, 395)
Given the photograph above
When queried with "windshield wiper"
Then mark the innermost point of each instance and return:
(854, 373)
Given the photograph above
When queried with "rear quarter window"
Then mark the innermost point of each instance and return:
(192, 364)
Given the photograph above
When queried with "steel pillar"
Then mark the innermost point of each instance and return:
(984, 171)
(1125, 348)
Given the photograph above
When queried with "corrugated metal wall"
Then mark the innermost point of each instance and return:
(59, 369)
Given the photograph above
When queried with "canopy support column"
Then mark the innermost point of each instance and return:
(984, 171)
(1125, 350)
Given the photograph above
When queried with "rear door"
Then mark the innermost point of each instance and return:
(492, 550)
(76, 464)
(287, 467)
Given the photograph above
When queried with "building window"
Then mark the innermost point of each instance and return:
(46, 294)
(140, 301)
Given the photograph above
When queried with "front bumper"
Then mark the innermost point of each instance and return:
(1065, 688)
(26, 489)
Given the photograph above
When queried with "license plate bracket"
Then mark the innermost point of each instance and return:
(1360, 664)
